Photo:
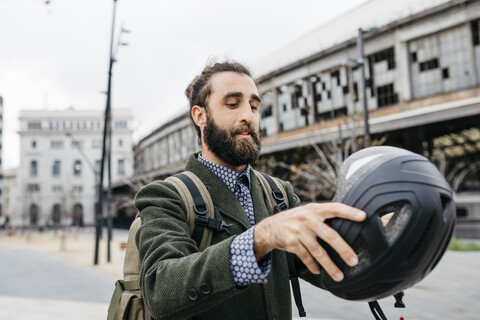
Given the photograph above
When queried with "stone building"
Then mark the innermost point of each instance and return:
(60, 158)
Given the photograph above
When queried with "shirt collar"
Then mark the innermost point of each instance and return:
(226, 174)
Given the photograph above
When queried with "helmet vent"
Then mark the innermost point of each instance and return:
(364, 259)
(402, 211)
(446, 206)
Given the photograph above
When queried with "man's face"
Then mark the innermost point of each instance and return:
(231, 129)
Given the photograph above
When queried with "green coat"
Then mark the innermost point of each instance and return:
(172, 269)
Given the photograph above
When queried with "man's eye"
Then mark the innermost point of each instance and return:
(254, 108)
(232, 105)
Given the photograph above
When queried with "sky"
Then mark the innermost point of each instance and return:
(54, 54)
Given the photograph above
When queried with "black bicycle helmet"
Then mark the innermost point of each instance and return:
(380, 180)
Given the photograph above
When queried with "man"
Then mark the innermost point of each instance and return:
(241, 275)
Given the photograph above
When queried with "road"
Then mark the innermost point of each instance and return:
(37, 285)
(450, 292)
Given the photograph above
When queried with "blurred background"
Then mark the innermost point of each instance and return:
(92, 108)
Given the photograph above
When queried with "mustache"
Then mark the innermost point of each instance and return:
(245, 127)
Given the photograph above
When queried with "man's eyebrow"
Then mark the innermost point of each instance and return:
(233, 94)
(240, 95)
(256, 97)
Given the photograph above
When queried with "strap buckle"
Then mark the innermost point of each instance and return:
(280, 207)
(210, 223)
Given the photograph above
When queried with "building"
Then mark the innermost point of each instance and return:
(1, 152)
(422, 88)
(165, 150)
(9, 196)
(422, 84)
(60, 158)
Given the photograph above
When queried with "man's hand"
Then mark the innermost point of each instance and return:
(296, 231)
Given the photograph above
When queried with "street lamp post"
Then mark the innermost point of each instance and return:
(361, 55)
(107, 146)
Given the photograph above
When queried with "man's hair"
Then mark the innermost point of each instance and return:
(199, 90)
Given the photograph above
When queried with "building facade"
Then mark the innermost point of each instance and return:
(422, 88)
(165, 150)
(1, 152)
(9, 195)
(60, 159)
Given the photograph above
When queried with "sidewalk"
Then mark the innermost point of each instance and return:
(77, 247)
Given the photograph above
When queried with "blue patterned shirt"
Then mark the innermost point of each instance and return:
(244, 266)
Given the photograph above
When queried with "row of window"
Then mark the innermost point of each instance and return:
(441, 62)
(77, 167)
(74, 125)
(59, 144)
(57, 213)
(56, 188)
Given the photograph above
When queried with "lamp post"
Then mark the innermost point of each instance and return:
(363, 81)
(107, 145)
(360, 61)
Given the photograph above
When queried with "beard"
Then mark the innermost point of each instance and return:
(222, 143)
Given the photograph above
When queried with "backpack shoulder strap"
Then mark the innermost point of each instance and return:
(277, 197)
(131, 275)
(278, 200)
(199, 206)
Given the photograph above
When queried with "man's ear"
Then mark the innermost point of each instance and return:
(199, 116)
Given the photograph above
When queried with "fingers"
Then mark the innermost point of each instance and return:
(332, 238)
(320, 256)
(339, 210)
(338, 244)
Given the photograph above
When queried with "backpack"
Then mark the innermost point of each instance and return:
(127, 302)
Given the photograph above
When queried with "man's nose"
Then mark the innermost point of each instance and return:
(247, 114)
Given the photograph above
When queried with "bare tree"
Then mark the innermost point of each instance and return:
(316, 175)
(454, 175)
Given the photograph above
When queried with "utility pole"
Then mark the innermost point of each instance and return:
(107, 149)
(363, 81)
(106, 131)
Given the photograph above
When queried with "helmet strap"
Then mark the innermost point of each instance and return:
(377, 310)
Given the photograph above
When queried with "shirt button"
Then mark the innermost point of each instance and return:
(192, 294)
(205, 288)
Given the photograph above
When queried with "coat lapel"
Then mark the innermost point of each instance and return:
(223, 199)
(260, 208)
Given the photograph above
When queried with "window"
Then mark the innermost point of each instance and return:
(56, 144)
(34, 125)
(386, 96)
(34, 144)
(33, 187)
(120, 142)
(414, 57)
(121, 166)
(77, 188)
(475, 33)
(98, 167)
(77, 143)
(33, 168)
(429, 65)
(120, 124)
(445, 73)
(57, 188)
(388, 55)
(56, 168)
(267, 112)
(77, 168)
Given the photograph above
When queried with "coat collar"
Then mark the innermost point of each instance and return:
(224, 200)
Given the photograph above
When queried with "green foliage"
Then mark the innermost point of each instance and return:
(463, 245)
